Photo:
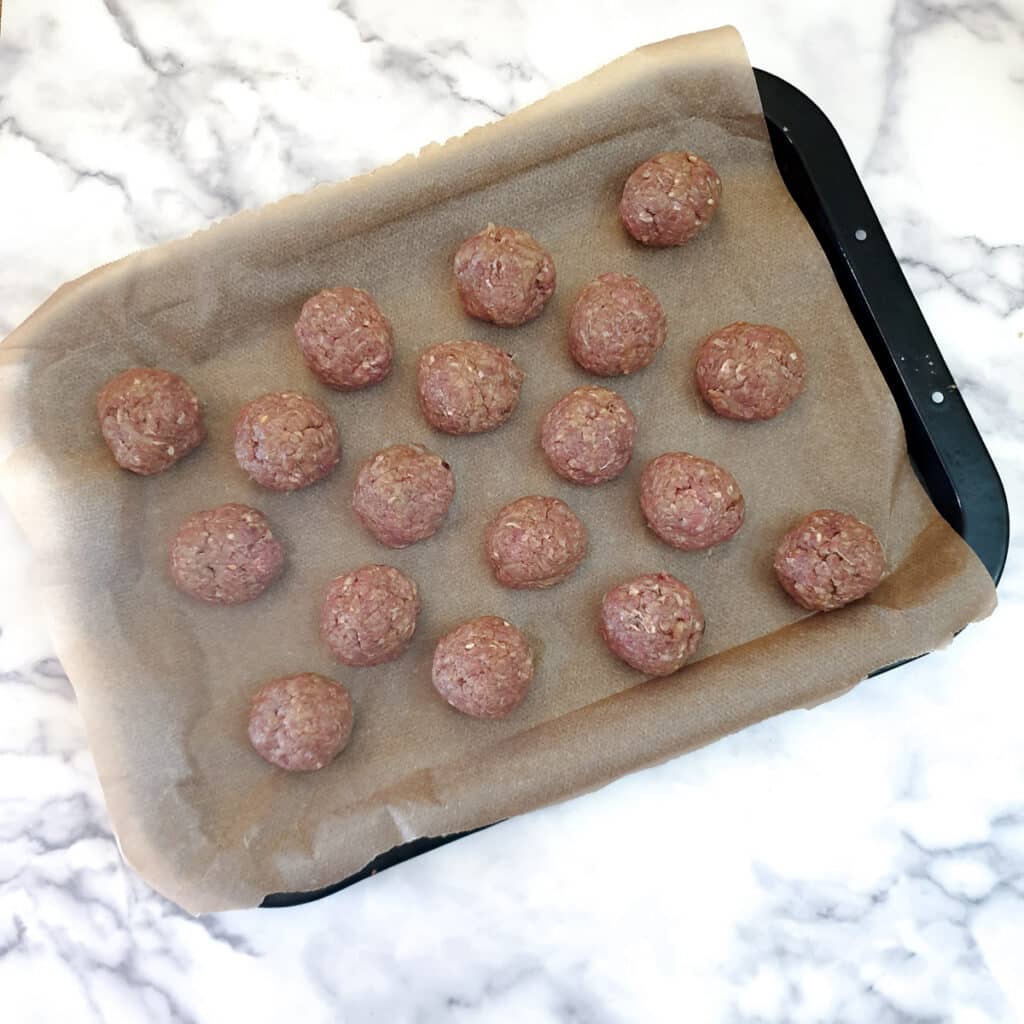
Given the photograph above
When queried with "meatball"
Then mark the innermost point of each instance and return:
(149, 418)
(285, 441)
(369, 616)
(226, 555)
(653, 623)
(749, 371)
(483, 668)
(535, 542)
(689, 502)
(617, 326)
(829, 559)
(503, 276)
(345, 339)
(588, 435)
(466, 387)
(670, 198)
(300, 723)
(403, 493)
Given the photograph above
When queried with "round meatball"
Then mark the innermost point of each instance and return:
(617, 326)
(483, 668)
(689, 502)
(149, 418)
(226, 555)
(653, 623)
(369, 616)
(345, 339)
(588, 435)
(403, 493)
(670, 198)
(535, 542)
(285, 441)
(300, 723)
(749, 371)
(466, 387)
(503, 275)
(829, 559)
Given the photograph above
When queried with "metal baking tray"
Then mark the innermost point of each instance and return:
(945, 447)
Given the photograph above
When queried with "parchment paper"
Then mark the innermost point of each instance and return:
(164, 682)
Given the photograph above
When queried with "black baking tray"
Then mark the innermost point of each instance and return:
(944, 445)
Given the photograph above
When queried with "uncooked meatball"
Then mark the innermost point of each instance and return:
(483, 668)
(226, 555)
(300, 723)
(617, 326)
(403, 493)
(588, 435)
(466, 387)
(285, 441)
(149, 418)
(654, 623)
(503, 275)
(670, 198)
(345, 339)
(369, 616)
(535, 542)
(829, 559)
(749, 371)
(689, 502)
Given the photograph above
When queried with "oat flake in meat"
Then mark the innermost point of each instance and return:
(654, 623)
(829, 559)
(149, 418)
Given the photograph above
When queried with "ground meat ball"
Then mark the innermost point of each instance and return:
(285, 441)
(226, 555)
(653, 623)
(149, 419)
(689, 502)
(503, 275)
(345, 338)
(369, 616)
(535, 542)
(829, 559)
(588, 435)
(466, 387)
(300, 723)
(617, 326)
(483, 668)
(403, 493)
(670, 198)
(749, 371)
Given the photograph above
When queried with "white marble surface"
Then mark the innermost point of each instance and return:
(864, 862)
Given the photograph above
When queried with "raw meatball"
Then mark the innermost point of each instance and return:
(653, 623)
(149, 419)
(285, 441)
(483, 668)
(403, 493)
(690, 502)
(369, 616)
(535, 542)
(300, 723)
(670, 198)
(503, 275)
(345, 338)
(588, 435)
(749, 371)
(829, 559)
(617, 326)
(226, 555)
(466, 387)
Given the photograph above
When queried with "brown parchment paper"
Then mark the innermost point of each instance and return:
(163, 681)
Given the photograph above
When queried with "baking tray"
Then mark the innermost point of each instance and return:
(945, 447)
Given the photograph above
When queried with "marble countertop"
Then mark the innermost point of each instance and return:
(864, 862)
